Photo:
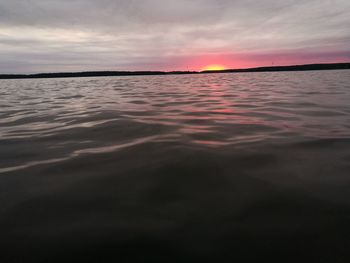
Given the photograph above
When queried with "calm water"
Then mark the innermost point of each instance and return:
(210, 168)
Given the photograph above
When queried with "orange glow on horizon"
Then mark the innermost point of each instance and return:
(213, 67)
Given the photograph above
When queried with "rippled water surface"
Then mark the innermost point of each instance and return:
(176, 168)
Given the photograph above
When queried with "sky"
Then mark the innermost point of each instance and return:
(85, 35)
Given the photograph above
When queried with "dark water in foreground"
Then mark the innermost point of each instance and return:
(211, 168)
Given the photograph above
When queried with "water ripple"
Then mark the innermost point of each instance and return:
(222, 162)
(212, 111)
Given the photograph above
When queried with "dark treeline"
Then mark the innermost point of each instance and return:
(335, 66)
(90, 74)
(307, 67)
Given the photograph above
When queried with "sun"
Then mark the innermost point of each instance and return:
(213, 68)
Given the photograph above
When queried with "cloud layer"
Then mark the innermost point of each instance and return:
(74, 35)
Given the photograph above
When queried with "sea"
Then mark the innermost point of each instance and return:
(229, 167)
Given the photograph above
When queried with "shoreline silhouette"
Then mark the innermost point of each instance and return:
(306, 67)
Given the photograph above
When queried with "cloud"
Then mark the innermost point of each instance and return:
(68, 35)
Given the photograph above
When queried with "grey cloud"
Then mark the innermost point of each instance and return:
(130, 34)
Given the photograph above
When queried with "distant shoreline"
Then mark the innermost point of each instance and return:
(307, 67)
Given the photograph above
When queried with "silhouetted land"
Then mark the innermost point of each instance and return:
(308, 67)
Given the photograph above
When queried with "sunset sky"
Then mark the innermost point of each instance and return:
(82, 35)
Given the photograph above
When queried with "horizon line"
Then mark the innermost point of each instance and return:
(101, 73)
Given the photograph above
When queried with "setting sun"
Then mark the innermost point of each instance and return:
(214, 67)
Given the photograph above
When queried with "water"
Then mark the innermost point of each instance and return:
(195, 168)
